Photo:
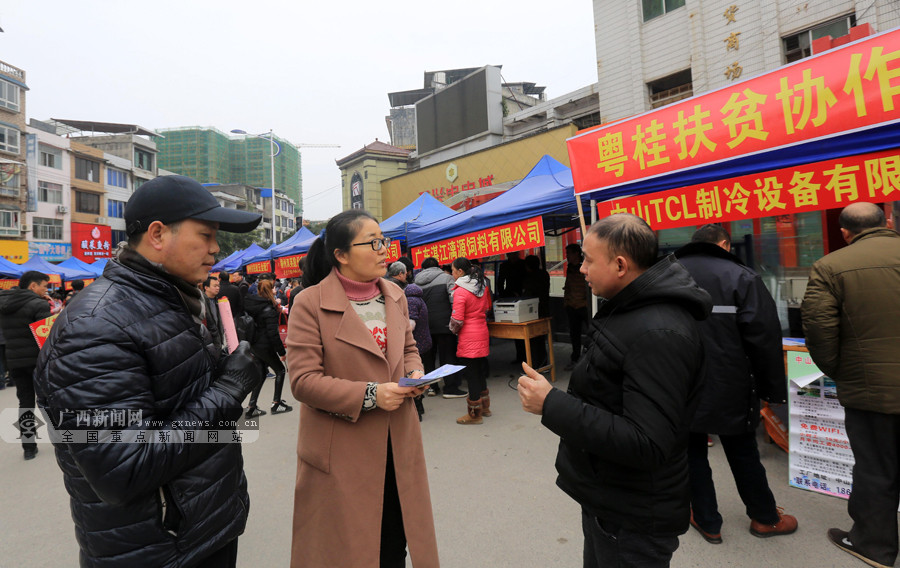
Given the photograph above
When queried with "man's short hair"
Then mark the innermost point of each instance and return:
(208, 282)
(628, 235)
(430, 262)
(78, 285)
(711, 233)
(224, 276)
(574, 247)
(396, 269)
(858, 217)
(32, 276)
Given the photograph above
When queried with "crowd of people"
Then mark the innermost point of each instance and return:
(680, 347)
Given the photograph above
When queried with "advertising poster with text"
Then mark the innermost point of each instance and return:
(820, 455)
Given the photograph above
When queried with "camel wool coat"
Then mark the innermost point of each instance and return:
(341, 450)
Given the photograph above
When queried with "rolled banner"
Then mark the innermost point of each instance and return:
(231, 338)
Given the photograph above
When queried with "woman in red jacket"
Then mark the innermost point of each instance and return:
(471, 302)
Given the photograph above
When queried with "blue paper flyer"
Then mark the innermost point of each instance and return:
(432, 377)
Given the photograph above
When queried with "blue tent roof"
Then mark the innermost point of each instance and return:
(299, 247)
(99, 265)
(547, 191)
(77, 264)
(274, 251)
(41, 265)
(233, 261)
(10, 269)
(424, 210)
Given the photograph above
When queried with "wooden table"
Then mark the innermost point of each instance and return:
(525, 331)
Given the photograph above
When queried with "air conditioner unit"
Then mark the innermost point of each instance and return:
(62, 209)
(24, 227)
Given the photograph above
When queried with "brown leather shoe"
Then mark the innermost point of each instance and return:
(712, 538)
(786, 524)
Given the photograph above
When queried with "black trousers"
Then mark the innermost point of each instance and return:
(578, 318)
(225, 557)
(268, 358)
(749, 477)
(875, 441)
(24, 378)
(476, 375)
(443, 348)
(393, 536)
(606, 544)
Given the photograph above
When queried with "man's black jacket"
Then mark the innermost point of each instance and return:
(624, 421)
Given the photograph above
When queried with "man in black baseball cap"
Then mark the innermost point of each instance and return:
(134, 342)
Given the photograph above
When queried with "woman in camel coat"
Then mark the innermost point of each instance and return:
(361, 465)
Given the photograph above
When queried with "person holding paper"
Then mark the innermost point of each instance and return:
(19, 307)
(362, 493)
(623, 423)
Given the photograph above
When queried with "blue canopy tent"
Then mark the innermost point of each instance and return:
(99, 265)
(41, 265)
(233, 261)
(274, 251)
(546, 191)
(299, 247)
(73, 263)
(10, 269)
(424, 210)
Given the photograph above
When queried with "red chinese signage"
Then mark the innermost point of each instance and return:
(7, 284)
(393, 252)
(288, 266)
(90, 242)
(443, 192)
(873, 177)
(489, 242)
(842, 90)
(260, 267)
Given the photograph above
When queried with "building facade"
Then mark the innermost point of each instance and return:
(13, 173)
(49, 234)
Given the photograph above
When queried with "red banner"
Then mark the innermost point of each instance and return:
(8, 284)
(828, 184)
(260, 267)
(288, 266)
(841, 90)
(393, 252)
(489, 242)
(41, 329)
(90, 242)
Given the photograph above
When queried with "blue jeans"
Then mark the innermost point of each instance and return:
(606, 546)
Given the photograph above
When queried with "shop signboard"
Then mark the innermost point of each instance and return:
(50, 251)
(90, 242)
(839, 91)
(260, 267)
(14, 251)
(512, 237)
(820, 456)
(873, 177)
(288, 266)
(393, 253)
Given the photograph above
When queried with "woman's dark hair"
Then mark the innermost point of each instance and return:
(338, 235)
(472, 270)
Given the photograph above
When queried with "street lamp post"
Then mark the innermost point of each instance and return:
(272, 154)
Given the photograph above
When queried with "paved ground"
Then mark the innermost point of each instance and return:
(493, 492)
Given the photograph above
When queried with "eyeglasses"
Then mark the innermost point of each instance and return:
(376, 244)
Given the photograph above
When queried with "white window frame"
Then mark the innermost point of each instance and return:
(9, 95)
(49, 228)
(6, 146)
(46, 189)
(9, 223)
(50, 157)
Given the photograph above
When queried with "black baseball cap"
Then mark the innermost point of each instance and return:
(174, 198)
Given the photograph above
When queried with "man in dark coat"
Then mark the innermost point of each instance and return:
(160, 483)
(20, 307)
(744, 362)
(850, 319)
(624, 421)
(436, 287)
(210, 288)
(232, 292)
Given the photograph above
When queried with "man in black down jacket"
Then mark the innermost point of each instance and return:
(18, 308)
(133, 343)
(624, 421)
(744, 362)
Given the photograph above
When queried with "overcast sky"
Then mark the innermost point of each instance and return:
(314, 71)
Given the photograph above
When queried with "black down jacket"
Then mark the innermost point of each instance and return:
(128, 342)
(263, 312)
(742, 340)
(18, 308)
(624, 421)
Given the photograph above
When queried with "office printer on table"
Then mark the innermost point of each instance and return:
(515, 310)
